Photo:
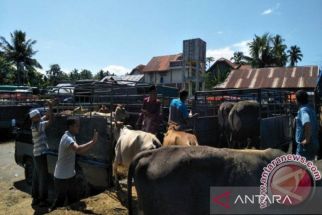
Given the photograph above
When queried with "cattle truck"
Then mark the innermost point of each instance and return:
(94, 169)
(275, 107)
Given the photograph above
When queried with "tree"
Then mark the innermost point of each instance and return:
(260, 51)
(86, 74)
(74, 75)
(212, 80)
(238, 58)
(20, 53)
(101, 74)
(268, 50)
(295, 55)
(209, 60)
(7, 72)
(37, 80)
(279, 51)
(55, 75)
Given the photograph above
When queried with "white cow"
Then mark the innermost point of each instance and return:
(130, 143)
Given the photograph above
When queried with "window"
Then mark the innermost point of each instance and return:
(161, 79)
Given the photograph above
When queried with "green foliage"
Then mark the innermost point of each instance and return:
(86, 74)
(209, 60)
(7, 71)
(212, 79)
(101, 74)
(270, 51)
(19, 52)
(74, 75)
(294, 55)
(238, 58)
(56, 75)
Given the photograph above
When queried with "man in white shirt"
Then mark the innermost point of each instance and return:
(64, 174)
(40, 171)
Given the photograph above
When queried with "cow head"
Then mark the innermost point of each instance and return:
(120, 113)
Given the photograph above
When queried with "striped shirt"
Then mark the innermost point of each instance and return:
(39, 138)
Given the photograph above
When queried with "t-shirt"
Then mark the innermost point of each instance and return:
(178, 111)
(39, 138)
(65, 165)
(152, 107)
(306, 114)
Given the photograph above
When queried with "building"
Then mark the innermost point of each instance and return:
(182, 70)
(222, 65)
(130, 80)
(290, 78)
(137, 70)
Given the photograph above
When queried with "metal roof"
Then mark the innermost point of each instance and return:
(125, 79)
(275, 77)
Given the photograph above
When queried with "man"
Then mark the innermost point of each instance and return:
(64, 174)
(306, 133)
(40, 171)
(178, 113)
(150, 116)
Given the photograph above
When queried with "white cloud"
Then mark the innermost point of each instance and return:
(267, 12)
(117, 69)
(228, 51)
(271, 10)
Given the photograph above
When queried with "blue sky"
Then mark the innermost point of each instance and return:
(119, 35)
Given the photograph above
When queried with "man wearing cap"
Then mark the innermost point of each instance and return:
(40, 171)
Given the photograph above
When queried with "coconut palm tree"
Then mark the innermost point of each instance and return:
(278, 51)
(209, 60)
(20, 53)
(238, 58)
(55, 74)
(260, 51)
(295, 55)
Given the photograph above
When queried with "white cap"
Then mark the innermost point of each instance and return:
(33, 113)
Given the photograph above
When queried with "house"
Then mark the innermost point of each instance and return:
(137, 70)
(183, 70)
(222, 65)
(290, 78)
(165, 69)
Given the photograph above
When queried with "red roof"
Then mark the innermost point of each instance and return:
(275, 77)
(160, 63)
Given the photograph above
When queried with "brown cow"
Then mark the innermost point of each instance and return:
(174, 137)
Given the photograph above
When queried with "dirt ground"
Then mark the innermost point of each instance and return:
(15, 193)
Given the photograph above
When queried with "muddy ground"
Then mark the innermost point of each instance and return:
(15, 195)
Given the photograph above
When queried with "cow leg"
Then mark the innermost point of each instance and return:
(115, 174)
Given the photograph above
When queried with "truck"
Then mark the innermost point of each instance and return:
(93, 169)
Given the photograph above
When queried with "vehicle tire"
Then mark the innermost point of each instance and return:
(29, 167)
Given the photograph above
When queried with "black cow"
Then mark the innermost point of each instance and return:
(176, 180)
(225, 131)
(244, 122)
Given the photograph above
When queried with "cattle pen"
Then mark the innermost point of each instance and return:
(94, 169)
(275, 108)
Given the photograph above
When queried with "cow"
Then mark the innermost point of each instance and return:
(177, 180)
(225, 131)
(244, 122)
(174, 137)
(128, 144)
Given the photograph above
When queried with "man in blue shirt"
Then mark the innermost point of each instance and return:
(306, 134)
(178, 113)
